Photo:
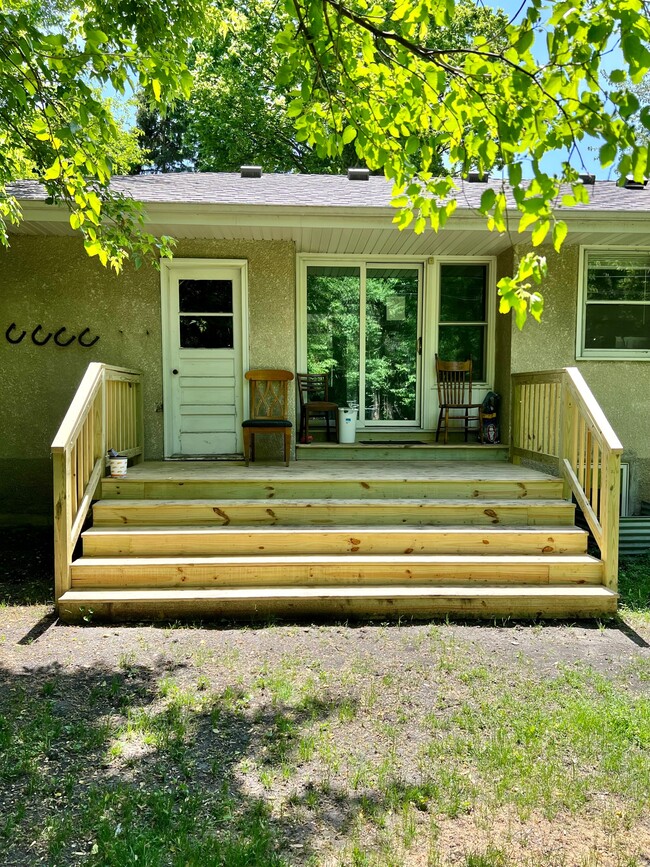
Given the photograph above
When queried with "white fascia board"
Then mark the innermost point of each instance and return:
(193, 214)
(289, 216)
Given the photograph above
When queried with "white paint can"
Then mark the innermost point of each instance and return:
(118, 467)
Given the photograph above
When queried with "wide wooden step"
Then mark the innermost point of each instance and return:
(308, 512)
(338, 480)
(344, 602)
(351, 569)
(178, 541)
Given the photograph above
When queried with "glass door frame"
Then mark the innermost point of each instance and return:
(429, 314)
(365, 263)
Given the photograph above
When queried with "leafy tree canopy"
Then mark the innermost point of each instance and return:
(237, 112)
(368, 70)
(401, 81)
(56, 59)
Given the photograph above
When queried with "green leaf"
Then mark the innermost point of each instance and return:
(349, 134)
(560, 230)
(53, 172)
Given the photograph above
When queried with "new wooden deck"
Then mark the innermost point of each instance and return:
(334, 538)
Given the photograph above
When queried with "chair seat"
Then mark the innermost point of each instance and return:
(267, 422)
(462, 405)
(321, 405)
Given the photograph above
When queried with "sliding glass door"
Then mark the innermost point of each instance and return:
(363, 330)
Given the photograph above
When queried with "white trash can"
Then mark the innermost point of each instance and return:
(347, 424)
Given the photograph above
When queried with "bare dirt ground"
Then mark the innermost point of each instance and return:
(329, 744)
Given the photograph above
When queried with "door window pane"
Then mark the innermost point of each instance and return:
(205, 296)
(463, 293)
(333, 296)
(391, 343)
(206, 332)
(460, 342)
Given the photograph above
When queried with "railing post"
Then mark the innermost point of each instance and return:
(611, 468)
(566, 434)
(139, 419)
(515, 404)
(62, 521)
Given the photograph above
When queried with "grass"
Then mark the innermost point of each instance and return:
(277, 766)
(291, 747)
(634, 587)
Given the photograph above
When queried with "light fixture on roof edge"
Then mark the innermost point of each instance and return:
(478, 177)
(251, 171)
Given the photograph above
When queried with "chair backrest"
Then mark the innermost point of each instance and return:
(453, 377)
(269, 393)
(314, 384)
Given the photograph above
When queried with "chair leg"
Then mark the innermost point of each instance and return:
(287, 446)
(253, 447)
(327, 426)
(446, 424)
(301, 431)
(466, 424)
(306, 431)
(439, 423)
(247, 445)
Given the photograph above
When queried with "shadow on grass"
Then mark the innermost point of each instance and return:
(114, 767)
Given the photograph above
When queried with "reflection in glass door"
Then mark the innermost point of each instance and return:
(391, 332)
(363, 327)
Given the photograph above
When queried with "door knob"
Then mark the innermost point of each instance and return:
(175, 372)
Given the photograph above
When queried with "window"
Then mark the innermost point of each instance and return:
(615, 312)
(463, 315)
(206, 314)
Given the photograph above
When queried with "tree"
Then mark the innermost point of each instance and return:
(237, 113)
(369, 73)
(56, 59)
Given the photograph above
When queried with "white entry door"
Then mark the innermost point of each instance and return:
(204, 352)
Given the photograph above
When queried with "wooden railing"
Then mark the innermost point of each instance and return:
(106, 413)
(556, 419)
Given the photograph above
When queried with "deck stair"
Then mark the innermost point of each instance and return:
(335, 539)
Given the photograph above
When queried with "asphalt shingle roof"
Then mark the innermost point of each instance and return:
(317, 191)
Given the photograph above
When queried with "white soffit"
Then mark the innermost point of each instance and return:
(349, 232)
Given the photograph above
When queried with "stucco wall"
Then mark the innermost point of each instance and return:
(52, 282)
(622, 388)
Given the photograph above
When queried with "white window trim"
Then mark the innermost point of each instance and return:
(583, 354)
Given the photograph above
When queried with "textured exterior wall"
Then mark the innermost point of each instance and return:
(622, 388)
(52, 282)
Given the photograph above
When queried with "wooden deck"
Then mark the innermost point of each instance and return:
(337, 538)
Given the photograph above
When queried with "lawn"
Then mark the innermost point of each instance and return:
(389, 744)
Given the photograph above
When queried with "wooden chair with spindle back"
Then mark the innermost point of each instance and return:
(454, 382)
(269, 402)
(314, 401)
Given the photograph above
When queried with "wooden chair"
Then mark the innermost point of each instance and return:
(454, 381)
(268, 409)
(315, 385)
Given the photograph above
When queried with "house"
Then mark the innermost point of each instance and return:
(291, 271)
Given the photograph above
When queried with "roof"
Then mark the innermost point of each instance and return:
(312, 191)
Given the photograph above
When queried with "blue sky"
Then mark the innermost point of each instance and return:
(589, 152)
